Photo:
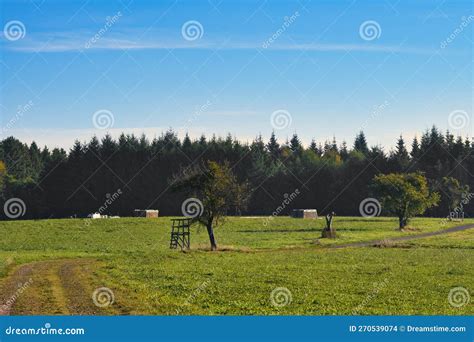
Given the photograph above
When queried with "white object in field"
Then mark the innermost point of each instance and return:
(304, 213)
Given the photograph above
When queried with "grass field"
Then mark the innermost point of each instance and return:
(62, 262)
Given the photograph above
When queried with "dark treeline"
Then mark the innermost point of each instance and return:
(118, 176)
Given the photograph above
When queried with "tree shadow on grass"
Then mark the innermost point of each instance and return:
(369, 220)
(305, 230)
(352, 229)
(280, 230)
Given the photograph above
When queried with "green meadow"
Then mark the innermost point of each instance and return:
(277, 266)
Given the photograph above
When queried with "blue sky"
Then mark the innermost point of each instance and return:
(311, 60)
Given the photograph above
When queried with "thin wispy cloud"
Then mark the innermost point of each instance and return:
(234, 113)
(67, 42)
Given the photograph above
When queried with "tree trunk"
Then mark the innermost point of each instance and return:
(329, 232)
(402, 222)
(212, 239)
(329, 222)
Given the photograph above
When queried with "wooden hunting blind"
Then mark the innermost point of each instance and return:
(180, 233)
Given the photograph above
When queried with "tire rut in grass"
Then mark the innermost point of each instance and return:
(78, 293)
(29, 290)
(53, 287)
(10, 291)
(77, 281)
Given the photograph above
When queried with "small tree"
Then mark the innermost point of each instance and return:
(453, 193)
(404, 195)
(329, 231)
(217, 188)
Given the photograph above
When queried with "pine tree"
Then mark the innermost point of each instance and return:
(320, 149)
(295, 144)
(45, 155)
(93, 146)
(449, 141)
(77, 151)
(36, 160)
(273, 146)
(203, 141)
(108, 147)
(415, 148)
(360, 143)
(187, 144)
(457, 150)
(344, 151)
(314, 147)
(327, 147)
(144, 143)
(334, 145)
(401, 155)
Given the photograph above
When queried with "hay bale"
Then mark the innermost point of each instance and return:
(148, 213)
(304, 213)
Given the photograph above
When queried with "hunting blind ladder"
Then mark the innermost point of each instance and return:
(180, 233)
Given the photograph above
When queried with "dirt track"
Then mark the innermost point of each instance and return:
(55, 287)
(405, 238)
